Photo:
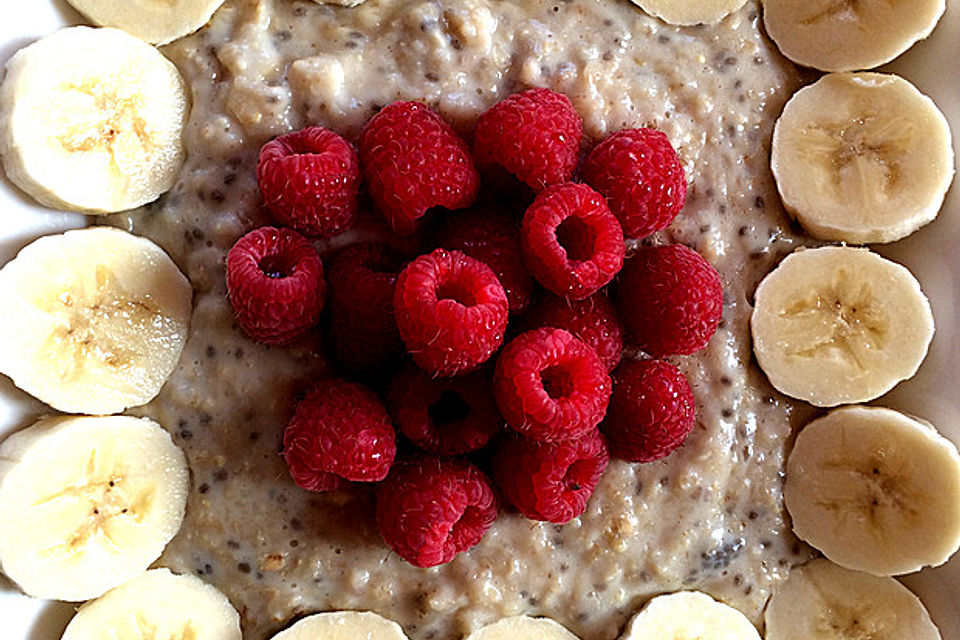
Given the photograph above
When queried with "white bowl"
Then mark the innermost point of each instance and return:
(933, 254)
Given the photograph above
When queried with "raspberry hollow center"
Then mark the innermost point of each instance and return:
(277, 266)
(471, 520)
(449, 408)
(578, 475)
(577, 238)
(557, 382)
(458, 291)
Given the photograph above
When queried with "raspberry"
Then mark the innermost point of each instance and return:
(571, 242)
(492, 238)
(412, 161)
(651, 410)
(451, 311)
(275, 283)
(550, 386)
(593, 320)
(670, 300)
(430, 509)
(446, 416)
(534, 135)
(362, 330)
(309, 181)
(550, 480)
(641, 176)
(339, 431)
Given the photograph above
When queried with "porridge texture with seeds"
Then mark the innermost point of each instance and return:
(708, 517)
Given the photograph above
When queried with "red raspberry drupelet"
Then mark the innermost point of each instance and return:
(493, 238)
(571, 242)
(309, 181)
(446, 416)
(670, 300)
(362, 329)
(412, 161)
(642, 178)
(593, 320)
(430, 509)
(339, 431)
(451, 312)
(550, 480)
(550, 386)
(275, 283)
(534, 135)
(651, 410)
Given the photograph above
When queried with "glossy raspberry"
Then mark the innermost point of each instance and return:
(412, 161)
(571, 242)
(534, 135)
(651, 410)
(550, 480)
(430, 509)
(275, 283)
(451, 311)
(593, 320)
(670, 300)
(309, 180)
(642, 178)
(550, 386)
(339, 431)
(446, 416)
(493, 238)
(362, 330)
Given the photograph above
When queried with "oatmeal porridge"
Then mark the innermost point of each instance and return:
(709, 517)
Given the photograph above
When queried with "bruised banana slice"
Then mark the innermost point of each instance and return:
(343, 625)
(523, 628)
(862, 157)
(93, 320)
(689, 614)
(822, 601)
(690, 12)
(157, 605)
(838, 325)
(875, 491)
(91, 120)
(156, 21)
(848, 35)
(87, 503)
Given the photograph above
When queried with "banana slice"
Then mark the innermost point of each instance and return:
(93, 320)
(523, 628)
(875, 490)
(822, 601)
(690, 12)
(156, 21)
(689, 614)
(838, 325)
(87, 503)
(157, 605)
(343, 625)
(848, 35)
(91, 120)
(862, 157)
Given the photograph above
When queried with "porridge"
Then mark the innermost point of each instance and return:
(709, 517)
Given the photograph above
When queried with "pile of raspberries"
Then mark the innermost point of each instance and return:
(496, 353)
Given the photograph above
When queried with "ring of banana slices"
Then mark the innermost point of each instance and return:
(862, 158)
(821, 597)
(94, 320)
(839, 325)
(875, 490)
(87, 503)
(91, 120)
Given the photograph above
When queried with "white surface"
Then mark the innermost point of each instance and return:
(933, 254)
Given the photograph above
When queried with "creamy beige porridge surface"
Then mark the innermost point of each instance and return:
(709, 517)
